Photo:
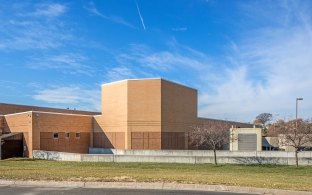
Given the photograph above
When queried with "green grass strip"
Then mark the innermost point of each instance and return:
(263, 176)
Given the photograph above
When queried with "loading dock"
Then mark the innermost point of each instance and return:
(11, 145)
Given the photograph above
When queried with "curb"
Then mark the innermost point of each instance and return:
(156, 186)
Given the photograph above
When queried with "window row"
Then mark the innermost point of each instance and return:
(56, 135)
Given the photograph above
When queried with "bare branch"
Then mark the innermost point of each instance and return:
(213, 135)
(296, 134)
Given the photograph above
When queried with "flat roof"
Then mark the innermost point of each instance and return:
(123, 80)
(211, 119)
(178, 83)
(143, 79)
(17, 113)
(59, 113)
(44, 107)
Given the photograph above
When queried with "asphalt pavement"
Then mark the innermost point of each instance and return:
(13, 187)
(19, 190)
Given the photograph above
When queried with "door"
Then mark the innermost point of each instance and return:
(247, 142)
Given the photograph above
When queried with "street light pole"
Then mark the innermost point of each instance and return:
(297, 99)
(296, 131)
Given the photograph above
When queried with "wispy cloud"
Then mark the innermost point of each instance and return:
(141, 61)
(119, 73)
(264, 71)
(91, 7)
(167, 60)
(49, 10)
(22, 29)
(69, 63)
(35, 36)
(139, 12)
(269, 70)
(70, 96)
(178, 63)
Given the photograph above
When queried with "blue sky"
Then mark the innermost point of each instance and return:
(244, 57)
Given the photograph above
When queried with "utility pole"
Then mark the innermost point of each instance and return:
(297, 99)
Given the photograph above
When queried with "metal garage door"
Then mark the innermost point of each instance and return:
(247, 142)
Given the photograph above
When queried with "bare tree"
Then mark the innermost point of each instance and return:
(213, 136)
(296, 134)
(275, 128)
(263, 120)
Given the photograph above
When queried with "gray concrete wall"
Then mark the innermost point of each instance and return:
(179, 156)
(220, 153)
(52, 155)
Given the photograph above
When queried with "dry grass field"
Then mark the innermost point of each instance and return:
(278, 177)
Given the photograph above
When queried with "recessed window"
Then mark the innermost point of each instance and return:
(55, 135)
(67, 135)
(77, 135)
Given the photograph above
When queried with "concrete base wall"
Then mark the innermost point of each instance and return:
(179, 156)
(220, 153)
(52, 155)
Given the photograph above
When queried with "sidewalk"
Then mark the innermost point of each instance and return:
(165, 186)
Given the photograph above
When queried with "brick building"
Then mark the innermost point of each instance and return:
(136, 114)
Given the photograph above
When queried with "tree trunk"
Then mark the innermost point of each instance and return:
(215, 156)
(296, 155)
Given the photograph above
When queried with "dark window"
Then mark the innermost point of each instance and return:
(55, 135)
(77, 135)
(67, 135)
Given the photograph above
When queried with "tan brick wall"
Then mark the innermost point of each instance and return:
(38, 128)
(144, 113)
(27, 140)
(137, 109)
(146, 140)
(128, 106)
(178, 103)
(144, 101)
(21, 123)
(14, 108)
(108, 134)
(114, 102)
(179, 113)
(110, 128)
(109, 140)
(63, 144)
(173, 140)
(1, 124)
(44, 124)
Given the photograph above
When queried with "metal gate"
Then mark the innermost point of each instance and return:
(247, 142)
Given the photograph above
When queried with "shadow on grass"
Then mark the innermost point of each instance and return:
(19, 159)
(259, 161)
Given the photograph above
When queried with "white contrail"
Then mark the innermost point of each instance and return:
(140, 15)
